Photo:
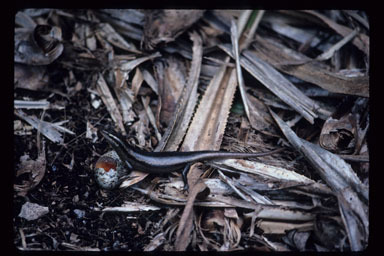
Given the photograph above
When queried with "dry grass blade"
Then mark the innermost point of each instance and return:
(137, 82)
(361, 41)
(249, 35)
(272, 212)
(110, 103)
(255, 115)
(212, 113)
(242, 22)
(298, 65)
(158, 240)
(50, 130)
(150, 81)
(133, 178)
(151, 116)
(128, 66)
(278, 84)
(265, 170)
(126, 99)
(240, 80)
(331, 51)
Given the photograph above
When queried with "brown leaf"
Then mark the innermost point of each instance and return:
(171, 80)
(339, 135)
(166, 25)
(36, 169)
(30, 77)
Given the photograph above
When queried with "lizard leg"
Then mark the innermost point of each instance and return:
(184, 176)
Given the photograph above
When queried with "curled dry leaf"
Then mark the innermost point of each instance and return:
(297, 239)
(133, 178)
(339, 136)
(38, 46)
(147, 76)
(136, 82)
(328, 231)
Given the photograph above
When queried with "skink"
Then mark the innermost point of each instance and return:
(160, 162)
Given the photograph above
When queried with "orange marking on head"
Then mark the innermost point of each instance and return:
(107, 163)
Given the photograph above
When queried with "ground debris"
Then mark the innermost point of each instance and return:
(187, 80)
(31, 211)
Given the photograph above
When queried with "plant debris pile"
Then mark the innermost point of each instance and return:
(189, 80)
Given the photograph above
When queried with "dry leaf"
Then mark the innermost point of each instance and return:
(339, 136)
(109, 102)
(166, 25)
(40, 45)
(30, 77)
(36, 170)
